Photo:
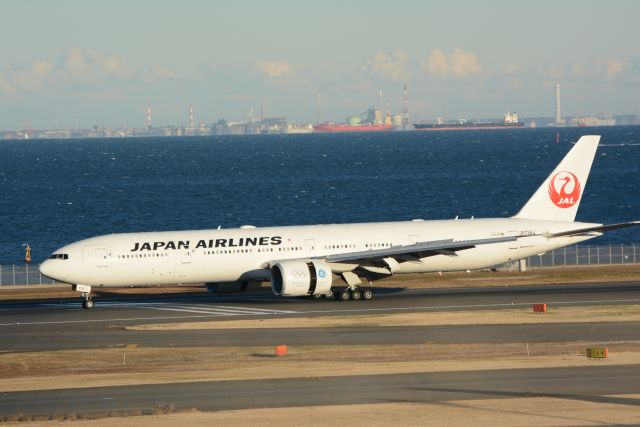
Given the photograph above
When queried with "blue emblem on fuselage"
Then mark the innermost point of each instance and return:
(321, 274)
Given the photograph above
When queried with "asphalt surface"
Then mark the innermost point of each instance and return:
(591, 384)
(34, 326)
(55, 325)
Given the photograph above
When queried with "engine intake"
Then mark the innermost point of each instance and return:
(299, 278)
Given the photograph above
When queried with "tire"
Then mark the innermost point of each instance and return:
(316, 296)
(356, 295)
(89, 303)
(367, 294)
(330, 294)
(345, 295)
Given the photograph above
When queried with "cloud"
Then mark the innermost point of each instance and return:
(6, 87)
(275, 69)
(458, 63)
(91, 67)
(75, 69)
(613, 67)
(553, 71)
(157, 72)
(395, 66)
(512, 68)
(578, 70)
(31, 77)
(112, 65)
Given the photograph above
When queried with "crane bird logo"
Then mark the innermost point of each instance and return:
(564, 189)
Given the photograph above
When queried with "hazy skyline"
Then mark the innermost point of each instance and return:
(103, 62)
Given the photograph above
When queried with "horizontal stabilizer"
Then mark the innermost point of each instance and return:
(597, 229)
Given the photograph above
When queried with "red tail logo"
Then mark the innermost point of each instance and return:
(564, 189)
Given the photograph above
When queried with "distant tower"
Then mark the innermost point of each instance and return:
(148, 117)
(405, 108)
(191, 124)
(380, 99)
(559, 120)
(261, 110)
(387, 119)
(317, 107)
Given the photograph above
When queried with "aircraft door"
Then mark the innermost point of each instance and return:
(102, 255)
(514, 244)
(187, 256)
(310, 247)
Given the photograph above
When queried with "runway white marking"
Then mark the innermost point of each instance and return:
(217, 311)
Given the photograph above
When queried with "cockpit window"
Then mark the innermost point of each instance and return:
(59, 256)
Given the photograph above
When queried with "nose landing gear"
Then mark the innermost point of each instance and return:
(85, 290)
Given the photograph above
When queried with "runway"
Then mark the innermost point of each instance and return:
(64, 325)
(587, 384)
(58, 325)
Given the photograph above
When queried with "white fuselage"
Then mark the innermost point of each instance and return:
(227, 255)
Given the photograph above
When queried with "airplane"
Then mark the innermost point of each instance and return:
(307, 260)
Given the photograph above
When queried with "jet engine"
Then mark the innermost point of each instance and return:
(299, 278)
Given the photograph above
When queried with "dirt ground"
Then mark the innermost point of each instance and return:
(525, 412)
(132, 365)
(590, 314)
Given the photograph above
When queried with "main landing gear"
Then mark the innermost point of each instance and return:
(355, 294)
(85, 290)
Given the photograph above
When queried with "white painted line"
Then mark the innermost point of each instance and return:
(62, 322)
(192, 308)
(185, 310)
(216, 309)
(252, 310)
(354, 310)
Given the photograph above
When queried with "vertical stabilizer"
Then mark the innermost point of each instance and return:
(559, 195)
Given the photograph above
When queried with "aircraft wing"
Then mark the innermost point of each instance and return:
(416, 251)
(597, 229)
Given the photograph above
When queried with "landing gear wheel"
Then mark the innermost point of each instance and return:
(345, 295)
(316, 296)
(87, 304)
(356, 295)
(367, 294)
(330, 294)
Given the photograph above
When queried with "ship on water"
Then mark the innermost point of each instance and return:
(369, 121)
(510, 121)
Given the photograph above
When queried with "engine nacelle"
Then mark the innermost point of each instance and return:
(299, 278)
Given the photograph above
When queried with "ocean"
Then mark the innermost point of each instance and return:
(58, 191)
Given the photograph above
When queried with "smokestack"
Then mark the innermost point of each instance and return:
(191, 124)
(558, 115)
(405, 108)
(148, 117)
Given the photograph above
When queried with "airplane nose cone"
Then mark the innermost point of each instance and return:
(48, 269)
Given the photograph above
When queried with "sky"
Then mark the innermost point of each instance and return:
(69, 62)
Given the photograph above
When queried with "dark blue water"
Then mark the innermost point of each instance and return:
(56, 192)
